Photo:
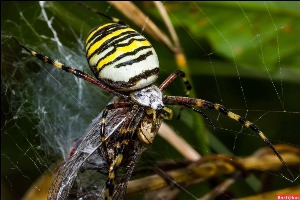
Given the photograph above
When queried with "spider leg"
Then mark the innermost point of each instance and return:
(171, 78)
(168, 113)
(103, 122)
(105, 113)
(188, 102)
(71, 70)
(118, 158)
(202, 113)
(93, 10)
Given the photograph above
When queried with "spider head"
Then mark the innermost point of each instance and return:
(150, 96)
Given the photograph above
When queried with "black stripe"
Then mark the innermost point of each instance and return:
(110, 186)
(208, 105)
(223, 110)
(138, 59)
(113, 41)
(65, 68)
(132, 82)
(112, 26)
(42, 57)
(118, 151)
(254, 128)
(144, 75)
(242, 120)
(101, 48)
(188, 86)
(105, 30)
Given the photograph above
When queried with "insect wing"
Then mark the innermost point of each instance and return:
(86, 155)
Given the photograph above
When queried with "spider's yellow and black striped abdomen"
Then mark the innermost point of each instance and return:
(121, 57)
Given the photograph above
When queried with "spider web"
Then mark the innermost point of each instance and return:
(242, 55)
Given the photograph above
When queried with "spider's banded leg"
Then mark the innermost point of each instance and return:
(103, 122)
(93, 10)
(186, 101)
(202, 113)
(110, 183)
(171, 78)
(168, 113)
(71, 70)
(104, 115)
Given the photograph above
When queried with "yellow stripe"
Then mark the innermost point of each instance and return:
(111, 175)
(170, 112)
(199, 102)
(119, 159)
(57, 64)
(96, 45)
(107, 194)
(120, 50)
(92, 33)
(262, 136)
(233, 116)
(33, 53)
(217, 106)
(247, 124)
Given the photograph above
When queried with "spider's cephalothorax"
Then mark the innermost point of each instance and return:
(126, 65)
(121, 57)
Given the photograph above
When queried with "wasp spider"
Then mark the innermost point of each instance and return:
(125, 64)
